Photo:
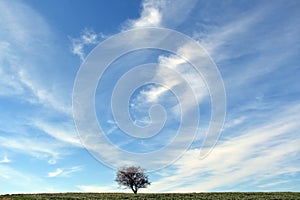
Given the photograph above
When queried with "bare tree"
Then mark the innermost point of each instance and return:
(133, 178)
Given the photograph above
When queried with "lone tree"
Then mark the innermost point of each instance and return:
(132, 177)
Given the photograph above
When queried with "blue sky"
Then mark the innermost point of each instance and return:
(254, 44)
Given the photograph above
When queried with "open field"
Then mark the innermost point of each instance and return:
(174, 196)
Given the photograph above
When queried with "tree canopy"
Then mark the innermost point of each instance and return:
(133, 178)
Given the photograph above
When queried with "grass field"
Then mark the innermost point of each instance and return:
(86, 196)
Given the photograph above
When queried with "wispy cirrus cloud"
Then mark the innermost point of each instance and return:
(32, 88)
(11, 178)
(37, 148)
(272, 184)
(248, 157)
(41, 95)
(23, 51)
(65, 172)
(153, 14)
(255, 46)
(245, 54)
(64, 132)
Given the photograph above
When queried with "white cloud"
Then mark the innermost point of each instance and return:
(71, 170)
(5, 160)
(190, 75)
(87, 38)
(32, 76)
(9, 84)
(113, 127)
(42, 95)
(185, 84)
(11, 178)
(55, 141)
(18, 25)
(250, 156)
(52, 161)
(242, 37)
(234, 122)
(24, 49)
(152, 95)
(64, 132)
(161, 13)
(150, 17)
(272, 184)
(38, 148)
(214, 39)
(64, 172)
(55, 173)
(187, 73)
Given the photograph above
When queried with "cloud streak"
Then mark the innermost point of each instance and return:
(64, 172)
(23, 51)
(256, 48)
(242, 159)
(64, 133)
(37, 148)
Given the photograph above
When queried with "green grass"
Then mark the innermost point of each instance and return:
(168, 196)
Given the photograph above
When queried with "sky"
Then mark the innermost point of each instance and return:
(248, 56)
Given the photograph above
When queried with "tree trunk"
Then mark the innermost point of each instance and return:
(134, 190)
